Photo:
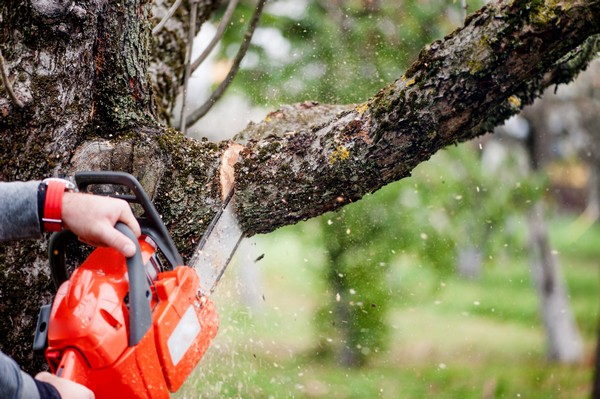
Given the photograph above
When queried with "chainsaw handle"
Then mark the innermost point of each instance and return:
(140, 315)
(56, 256)
(151, 224)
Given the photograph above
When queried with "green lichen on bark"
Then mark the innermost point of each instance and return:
(274, 188)
(191, 194)
(547, 11)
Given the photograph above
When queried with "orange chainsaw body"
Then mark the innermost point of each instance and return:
(88, 329)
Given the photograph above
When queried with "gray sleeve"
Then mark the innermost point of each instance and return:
(14, 383)
(19, 211)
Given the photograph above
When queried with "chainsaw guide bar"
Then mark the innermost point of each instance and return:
(217, 246)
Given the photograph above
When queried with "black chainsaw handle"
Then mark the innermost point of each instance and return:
(56, 256)
(140, 315)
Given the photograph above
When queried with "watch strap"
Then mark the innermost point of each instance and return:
(53, 205)
(52, 214)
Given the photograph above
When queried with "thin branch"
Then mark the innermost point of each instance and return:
(6, 83)
(218, 35)
(188, 66)
(575, 60)
(214, 97)
(464, 7)
(169, 14)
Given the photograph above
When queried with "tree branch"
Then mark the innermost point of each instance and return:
(218, 34)
(168, 15)
(216, 95)
(188, 67)
(459, 88)
(7, 84)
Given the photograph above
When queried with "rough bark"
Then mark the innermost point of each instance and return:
(82, 71)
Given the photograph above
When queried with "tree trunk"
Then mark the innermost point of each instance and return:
(596, 382)
(94, 85)
(563, 339)
(469, 261)
(579, 120)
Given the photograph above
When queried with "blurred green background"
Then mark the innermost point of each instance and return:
(371, 302)
(445, 336)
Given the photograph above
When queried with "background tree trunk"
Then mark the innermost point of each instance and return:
(564, 343)
(94, 85)
(577, 126)
(596, 382)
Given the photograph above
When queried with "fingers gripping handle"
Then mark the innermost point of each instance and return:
(151, 220)
(140, 316)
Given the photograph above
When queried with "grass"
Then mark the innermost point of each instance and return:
(451, 338)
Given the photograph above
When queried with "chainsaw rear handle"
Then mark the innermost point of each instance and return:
(140, 314)
(151, 223)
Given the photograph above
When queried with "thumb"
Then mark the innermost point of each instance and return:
(117, 240)
(124, 245)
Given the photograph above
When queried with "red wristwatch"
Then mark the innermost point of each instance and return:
(55, 189)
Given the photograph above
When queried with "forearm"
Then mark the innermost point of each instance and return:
(19, 211)
(14, 383)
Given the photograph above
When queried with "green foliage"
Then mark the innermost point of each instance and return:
(339, 52)
(354, 321)
(442, 329)
(449, 203)
(475, 204)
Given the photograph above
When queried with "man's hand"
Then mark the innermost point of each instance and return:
(92, 218)
(67, 389)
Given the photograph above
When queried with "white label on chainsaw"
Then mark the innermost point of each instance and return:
(184, 335)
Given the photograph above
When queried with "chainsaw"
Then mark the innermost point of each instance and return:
(134, 327)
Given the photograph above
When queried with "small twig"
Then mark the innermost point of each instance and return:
(464, 9)
(188, 67)
(576, 60)
(200, 112)
(169, 14)
(220, 31)
(7, 84)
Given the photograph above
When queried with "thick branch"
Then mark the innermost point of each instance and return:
(459, 88)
